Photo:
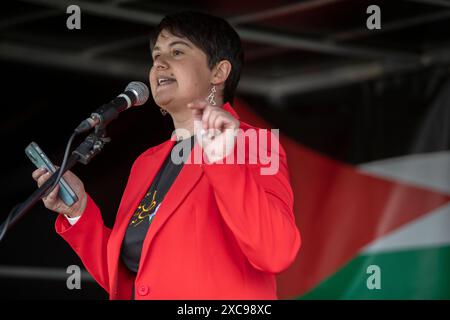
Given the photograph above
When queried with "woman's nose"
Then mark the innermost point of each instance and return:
(161, 63)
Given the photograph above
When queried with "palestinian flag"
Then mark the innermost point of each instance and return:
(377, 229)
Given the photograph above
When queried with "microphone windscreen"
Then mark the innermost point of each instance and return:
(140, 90)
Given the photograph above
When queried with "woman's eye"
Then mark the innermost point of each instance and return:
(155, 57)
(177, 52)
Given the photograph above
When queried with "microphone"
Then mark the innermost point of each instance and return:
(136, 93)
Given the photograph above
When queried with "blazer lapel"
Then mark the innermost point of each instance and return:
(229, 108)
(181, 187)
(146, 170)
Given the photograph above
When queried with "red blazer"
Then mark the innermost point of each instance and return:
(222, 232)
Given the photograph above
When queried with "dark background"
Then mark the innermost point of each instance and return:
(354, 94)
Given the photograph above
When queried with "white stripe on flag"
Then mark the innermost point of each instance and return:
(426, 170)
(431, 230)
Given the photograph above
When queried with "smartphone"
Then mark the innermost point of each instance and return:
(40, 160)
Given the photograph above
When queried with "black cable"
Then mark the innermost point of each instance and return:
(8, 220)
(58, 178)
(63, 164)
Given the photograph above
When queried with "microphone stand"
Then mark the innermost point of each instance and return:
(88, 149)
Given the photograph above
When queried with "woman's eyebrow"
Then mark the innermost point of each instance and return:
(156, 48)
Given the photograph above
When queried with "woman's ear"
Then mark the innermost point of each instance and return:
(221, 72)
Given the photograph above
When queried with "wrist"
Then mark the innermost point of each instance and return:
(79, 208)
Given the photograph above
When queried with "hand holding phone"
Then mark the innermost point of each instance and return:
(64, 198)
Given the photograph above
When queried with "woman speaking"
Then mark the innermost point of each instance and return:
(210, 229)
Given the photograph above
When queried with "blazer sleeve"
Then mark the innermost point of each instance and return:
(258, 208)
(88, 238)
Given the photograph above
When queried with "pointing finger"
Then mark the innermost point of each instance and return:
(205, 118)
(197, 110)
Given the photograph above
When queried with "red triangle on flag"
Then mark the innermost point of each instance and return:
(339, 210)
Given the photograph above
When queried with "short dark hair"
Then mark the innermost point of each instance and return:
(213, 35)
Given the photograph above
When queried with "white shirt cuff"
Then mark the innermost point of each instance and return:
(72, 221)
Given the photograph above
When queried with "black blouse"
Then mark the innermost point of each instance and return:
(144, 214)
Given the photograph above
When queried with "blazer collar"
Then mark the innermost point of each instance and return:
(227, 106)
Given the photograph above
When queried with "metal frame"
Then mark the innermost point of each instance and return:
(265, 37)
(280, 11)
(442, 3)
(373, 63)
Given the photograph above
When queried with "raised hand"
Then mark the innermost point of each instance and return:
(215, 129)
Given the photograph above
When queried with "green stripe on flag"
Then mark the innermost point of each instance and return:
(409, 274)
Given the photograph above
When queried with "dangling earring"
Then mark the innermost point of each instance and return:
(164, 112)
(211, 96)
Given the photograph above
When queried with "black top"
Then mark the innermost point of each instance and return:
(148, 207)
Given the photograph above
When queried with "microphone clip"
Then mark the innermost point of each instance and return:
(92, 145)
